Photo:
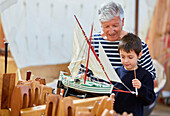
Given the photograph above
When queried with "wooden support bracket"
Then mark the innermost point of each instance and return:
(52, 105)
(44, 92)
(66, 107)
(20, 98)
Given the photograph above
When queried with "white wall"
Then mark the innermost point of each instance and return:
(40, 32)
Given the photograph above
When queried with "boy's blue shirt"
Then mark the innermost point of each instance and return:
(127, 102)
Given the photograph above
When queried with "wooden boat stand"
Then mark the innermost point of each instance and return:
(71, 106)
(26, 94)
(30, 98)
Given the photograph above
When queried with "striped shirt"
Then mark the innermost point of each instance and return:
(111, 50)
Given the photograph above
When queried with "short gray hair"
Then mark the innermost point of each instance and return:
(109, 10)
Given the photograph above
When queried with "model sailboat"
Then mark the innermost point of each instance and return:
(100, 66)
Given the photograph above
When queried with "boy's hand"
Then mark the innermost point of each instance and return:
(112, 97)
(136, 83)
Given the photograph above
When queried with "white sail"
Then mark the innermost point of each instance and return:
(107, 65)
(79, 54)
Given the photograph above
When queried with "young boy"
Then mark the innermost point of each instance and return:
(130, 51)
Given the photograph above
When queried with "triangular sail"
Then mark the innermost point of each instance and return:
(78, 48)
(107, 65)
(79, 52)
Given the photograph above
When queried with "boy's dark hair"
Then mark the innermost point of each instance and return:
(130, 42)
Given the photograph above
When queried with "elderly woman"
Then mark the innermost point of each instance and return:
(111, 16)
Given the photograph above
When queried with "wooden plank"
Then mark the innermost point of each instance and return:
(7, 89)
(5, 112)
(33, 111)
(87, 101)
(82, 111)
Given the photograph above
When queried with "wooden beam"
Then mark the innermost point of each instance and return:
(5, 112)
(7, 89)
(33, 111)
(87, 101)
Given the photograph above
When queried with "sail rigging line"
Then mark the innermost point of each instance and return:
(93, 50)
(122, 91)
(116, 88)
(119, 90)
(88, 54)
(128, 89)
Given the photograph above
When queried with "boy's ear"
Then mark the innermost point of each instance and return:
(140, 54)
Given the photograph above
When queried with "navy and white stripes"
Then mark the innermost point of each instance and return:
(111, 50)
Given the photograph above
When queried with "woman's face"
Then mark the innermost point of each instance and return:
(112, 29)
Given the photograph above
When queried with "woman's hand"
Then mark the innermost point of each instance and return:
(82, 76)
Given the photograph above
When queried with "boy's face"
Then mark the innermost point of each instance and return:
(129, 60)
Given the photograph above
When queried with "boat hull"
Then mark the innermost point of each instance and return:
(76, 87)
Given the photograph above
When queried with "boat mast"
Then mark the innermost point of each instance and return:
(88, 53)
(91, 47)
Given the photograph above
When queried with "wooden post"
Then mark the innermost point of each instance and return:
(8, 85)
(1, 83)
(136, 17)
(28, 77)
